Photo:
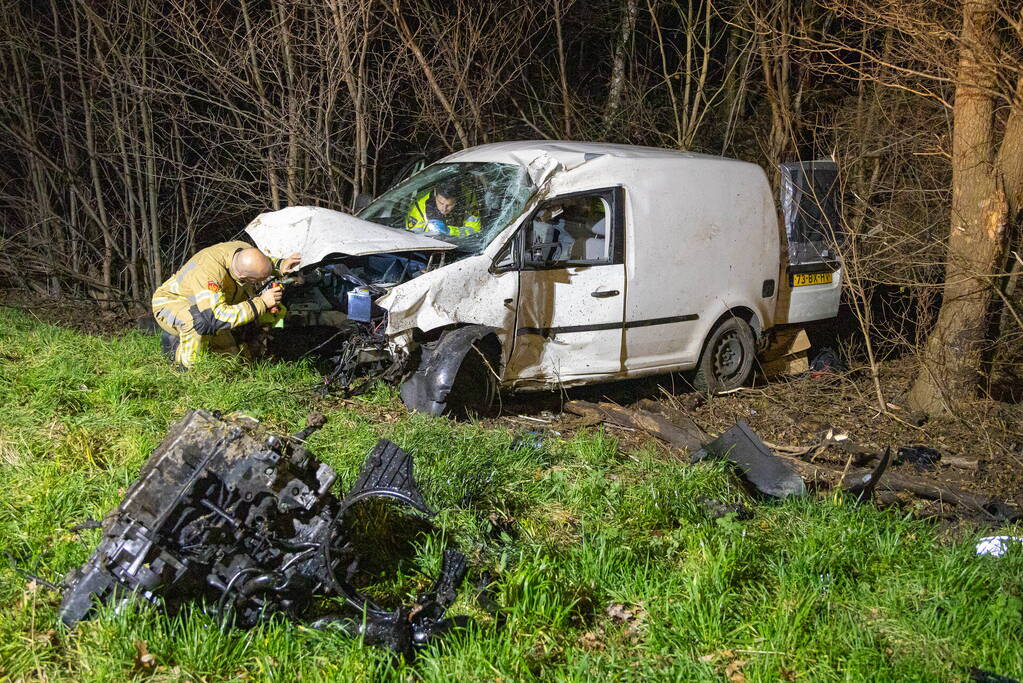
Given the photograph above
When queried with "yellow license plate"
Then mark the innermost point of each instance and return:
(805, 279)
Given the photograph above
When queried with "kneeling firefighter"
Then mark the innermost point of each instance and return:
(213, 296)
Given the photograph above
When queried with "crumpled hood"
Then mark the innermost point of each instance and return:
(317, 233)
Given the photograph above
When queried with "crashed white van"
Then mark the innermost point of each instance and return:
(592, 262)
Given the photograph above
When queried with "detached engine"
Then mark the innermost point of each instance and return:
(244, 520)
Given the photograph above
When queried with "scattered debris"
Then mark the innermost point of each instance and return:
(768, 473)
(715, 509)
(779, 471)
(996, 546)
(920, 457)
(825, 361)
(529, 441)
(988, 507)
(227, 513)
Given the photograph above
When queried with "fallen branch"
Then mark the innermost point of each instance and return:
(961, 463)
(827, 476)
(688, 436)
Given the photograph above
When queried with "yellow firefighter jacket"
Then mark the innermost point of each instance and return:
(202, 299)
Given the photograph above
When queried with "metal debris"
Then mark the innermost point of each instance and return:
(243, 520)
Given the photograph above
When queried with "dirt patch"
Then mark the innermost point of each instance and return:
(81, 315)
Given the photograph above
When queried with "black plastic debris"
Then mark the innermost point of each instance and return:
(920, 457)
(982, 676)
(243, 521)
(825, 361)
(769, 474)
(864, 488)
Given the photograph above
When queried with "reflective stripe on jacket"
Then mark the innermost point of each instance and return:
(205, 287)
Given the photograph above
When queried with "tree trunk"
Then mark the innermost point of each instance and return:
(630, 9)
(952, 357)
(566, 100)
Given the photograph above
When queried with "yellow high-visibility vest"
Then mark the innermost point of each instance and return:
(416, 220)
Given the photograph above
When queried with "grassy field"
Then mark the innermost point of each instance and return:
(605, 561)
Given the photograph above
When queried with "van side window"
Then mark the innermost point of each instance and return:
(571, 231)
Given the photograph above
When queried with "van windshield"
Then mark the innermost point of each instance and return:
(466, 203)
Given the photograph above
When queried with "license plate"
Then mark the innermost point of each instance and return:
(806, 279)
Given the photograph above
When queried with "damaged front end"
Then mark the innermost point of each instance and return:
(245, 522)
(380, 288)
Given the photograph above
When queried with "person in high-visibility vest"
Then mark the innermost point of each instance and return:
(438, 212)
(215, 293)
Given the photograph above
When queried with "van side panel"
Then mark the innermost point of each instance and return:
(702, 239)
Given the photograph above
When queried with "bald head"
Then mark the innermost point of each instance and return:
(251, 265)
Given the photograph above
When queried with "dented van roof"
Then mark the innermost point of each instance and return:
(572, 154)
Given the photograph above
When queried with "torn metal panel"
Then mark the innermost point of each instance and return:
(461, 292)
(767, 473)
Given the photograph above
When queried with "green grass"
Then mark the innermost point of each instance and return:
(814, 590)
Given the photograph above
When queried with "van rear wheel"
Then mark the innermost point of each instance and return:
(727, 359)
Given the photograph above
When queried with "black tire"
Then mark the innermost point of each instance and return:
(727, 359)
(475, 390)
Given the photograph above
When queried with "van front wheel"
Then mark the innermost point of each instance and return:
(475, 389)
(727, 359)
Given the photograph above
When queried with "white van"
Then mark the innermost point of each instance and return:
(564, 263)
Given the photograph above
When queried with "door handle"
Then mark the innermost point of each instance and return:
(605, 294)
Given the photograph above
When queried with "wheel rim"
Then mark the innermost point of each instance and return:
(729, 356)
